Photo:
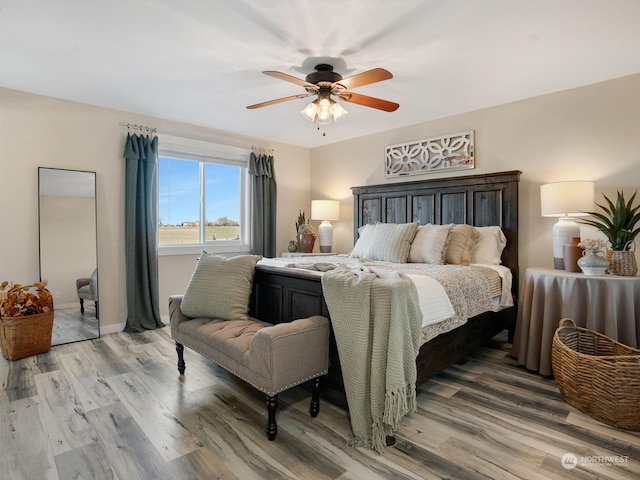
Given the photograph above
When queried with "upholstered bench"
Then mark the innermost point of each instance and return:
(271, 358)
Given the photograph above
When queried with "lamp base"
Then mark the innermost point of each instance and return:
(325, 236)
(558, 263)
(564, 229)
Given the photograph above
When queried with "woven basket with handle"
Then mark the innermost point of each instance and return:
(22, 337)
(597, 375)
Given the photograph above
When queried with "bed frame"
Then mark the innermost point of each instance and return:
(282, 295)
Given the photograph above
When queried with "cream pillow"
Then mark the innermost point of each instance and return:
(391, 241)
(430, 244)
(489, 246)
(220, 287)
(363, 244)
(461, 241)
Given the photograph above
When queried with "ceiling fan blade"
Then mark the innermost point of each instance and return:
(288, 78)
(279, 100)
(369, 101)
(365, 78)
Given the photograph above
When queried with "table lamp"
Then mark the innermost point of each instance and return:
(325, 210)
(565, 200)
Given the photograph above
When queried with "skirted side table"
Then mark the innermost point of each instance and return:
(607, 304)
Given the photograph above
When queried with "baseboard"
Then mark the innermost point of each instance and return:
(113, 328)
(119, 327)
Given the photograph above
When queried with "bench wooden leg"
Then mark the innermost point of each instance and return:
(272, 427)
(314, 408)
(180, 350)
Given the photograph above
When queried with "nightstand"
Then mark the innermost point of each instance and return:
(300, 254)
(607, 304)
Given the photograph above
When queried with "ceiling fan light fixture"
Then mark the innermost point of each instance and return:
(323, 111)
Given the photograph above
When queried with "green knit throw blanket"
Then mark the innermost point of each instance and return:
(376, 319)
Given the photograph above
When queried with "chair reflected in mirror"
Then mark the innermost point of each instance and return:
(88, 290)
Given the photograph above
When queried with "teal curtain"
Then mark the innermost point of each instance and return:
(264, 202)
(141, 226)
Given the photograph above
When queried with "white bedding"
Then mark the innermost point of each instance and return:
(434, 302)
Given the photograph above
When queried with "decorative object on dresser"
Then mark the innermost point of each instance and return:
(597, 375)
(26, 319)
(565, 200)
(306, 234)
(325, 210)
(618, 223)
(572, 252)
(432, 155)
(592, 261)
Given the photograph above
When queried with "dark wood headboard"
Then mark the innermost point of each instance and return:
(479, 200)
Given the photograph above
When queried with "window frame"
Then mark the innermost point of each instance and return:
(207, 152)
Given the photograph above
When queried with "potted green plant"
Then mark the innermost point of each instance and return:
(619, 223)
(26, 319)
(306, 234)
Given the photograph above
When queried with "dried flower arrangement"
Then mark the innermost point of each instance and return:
(22, 300)
(592, 244)
(302, 226)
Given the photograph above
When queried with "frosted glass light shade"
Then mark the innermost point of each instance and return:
(565, 200)
(323, 111)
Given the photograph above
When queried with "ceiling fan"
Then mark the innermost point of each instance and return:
(324, 83)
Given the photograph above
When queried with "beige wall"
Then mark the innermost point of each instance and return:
(589, 133)
(38, 131)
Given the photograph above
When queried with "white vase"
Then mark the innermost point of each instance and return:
(593, 262)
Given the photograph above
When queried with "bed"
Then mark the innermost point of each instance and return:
(284, 294)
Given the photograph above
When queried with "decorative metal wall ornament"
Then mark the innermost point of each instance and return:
(449, 152)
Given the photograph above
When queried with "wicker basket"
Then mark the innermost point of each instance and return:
(623, 263)
(597, 375)
(22, 337)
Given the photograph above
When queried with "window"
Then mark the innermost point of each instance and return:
(203, 197)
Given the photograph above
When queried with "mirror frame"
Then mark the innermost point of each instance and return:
(41, 171)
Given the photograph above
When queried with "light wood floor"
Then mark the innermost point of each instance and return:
(116, 408)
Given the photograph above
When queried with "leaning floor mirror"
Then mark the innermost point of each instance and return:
(68, 251)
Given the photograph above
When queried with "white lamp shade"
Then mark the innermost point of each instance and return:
(325, 210)
(566, 199)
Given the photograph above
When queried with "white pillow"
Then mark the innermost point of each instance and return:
(489, 246)
(363, 244)
(391, 241)
(430, 244)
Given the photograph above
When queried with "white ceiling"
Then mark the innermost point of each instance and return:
(200, 61)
